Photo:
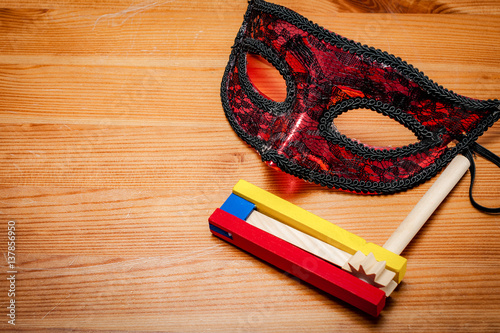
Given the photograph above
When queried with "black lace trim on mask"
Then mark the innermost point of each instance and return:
(427, 138)
(258, 47)
(413, 74)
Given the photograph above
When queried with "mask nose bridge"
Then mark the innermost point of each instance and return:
(308, 97)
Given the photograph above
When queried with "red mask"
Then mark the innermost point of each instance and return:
(327, 75)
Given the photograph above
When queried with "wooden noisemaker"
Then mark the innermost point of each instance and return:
(319, 252)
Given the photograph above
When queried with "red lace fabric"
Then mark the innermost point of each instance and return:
(327, 75)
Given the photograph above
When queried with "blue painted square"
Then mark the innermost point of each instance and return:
(238, 206)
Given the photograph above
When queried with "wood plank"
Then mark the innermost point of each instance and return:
(128, 7)
(40, 72)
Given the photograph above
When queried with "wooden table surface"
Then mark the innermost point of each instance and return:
(114, 150)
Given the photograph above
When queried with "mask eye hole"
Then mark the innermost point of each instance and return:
(373, 129)
(266, 78)
(378, 134)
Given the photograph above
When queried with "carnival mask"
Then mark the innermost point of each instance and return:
(327, 75)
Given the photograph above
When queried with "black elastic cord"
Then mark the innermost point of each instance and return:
(477, 148)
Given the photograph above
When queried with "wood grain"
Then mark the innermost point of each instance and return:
(114, 150)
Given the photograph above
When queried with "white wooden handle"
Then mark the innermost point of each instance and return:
(427, 205)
